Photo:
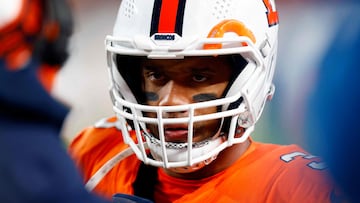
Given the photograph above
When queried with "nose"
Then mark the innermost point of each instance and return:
(174, 94)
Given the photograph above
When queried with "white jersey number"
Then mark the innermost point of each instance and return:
(312, 164)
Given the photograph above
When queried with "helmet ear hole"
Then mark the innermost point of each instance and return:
(129, 68)
(238, 63)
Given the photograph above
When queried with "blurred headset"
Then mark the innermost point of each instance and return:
(56, 32)
(42, 29)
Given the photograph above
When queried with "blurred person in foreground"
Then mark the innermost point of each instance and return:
(34, 165)
(189, 81)
(333, 107)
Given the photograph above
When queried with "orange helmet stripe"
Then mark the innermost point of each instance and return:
(168, 16)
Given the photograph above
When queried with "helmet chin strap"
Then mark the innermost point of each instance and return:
(178, 152)
(189, 169)
(193, 168)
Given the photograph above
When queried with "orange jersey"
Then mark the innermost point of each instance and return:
(264, 173)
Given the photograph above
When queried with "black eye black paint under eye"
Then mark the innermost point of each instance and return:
(204, 97)
(151, 96)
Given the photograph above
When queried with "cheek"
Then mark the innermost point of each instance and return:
(206, 129)
(221, 87)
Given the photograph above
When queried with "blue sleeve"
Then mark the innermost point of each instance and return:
(124, 198)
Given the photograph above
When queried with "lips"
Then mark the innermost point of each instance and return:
(176, 133)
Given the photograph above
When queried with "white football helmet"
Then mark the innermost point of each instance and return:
(167, 29)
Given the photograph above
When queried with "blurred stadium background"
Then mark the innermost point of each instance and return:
(306, 29)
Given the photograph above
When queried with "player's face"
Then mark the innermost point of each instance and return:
(177, 82)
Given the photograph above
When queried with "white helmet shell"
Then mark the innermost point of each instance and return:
(162, 29)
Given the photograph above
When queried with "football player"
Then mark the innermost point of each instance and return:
(189, 81)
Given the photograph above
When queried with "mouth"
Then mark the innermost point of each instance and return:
(176, 133)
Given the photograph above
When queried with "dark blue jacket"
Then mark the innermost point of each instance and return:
(34, 164)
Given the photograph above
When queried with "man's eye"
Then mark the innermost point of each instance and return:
(199, 78)
(155, 75)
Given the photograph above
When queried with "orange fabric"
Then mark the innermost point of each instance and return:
(10, 41)
(17, 59)
(32, 22)
(171, 189)
(52, 31)
(265, 173)
(93, 147)
(47, 74)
